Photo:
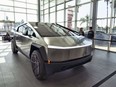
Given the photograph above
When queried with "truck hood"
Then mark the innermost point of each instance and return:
(66, 41)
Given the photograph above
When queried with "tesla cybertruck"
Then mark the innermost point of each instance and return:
(50, 47)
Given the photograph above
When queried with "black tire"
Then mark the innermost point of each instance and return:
(13, 47)
(38, 65)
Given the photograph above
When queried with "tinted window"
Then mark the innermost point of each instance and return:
(51, 30)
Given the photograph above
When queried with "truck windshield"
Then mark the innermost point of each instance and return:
(52, 30)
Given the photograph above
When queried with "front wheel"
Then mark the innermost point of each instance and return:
(13, 47)
(38, 65)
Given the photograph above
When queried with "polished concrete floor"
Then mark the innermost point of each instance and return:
(15, 71)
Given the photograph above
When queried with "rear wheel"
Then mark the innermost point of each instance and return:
(13, 47)
(38, 65)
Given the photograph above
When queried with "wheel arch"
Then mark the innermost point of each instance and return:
(41, 50)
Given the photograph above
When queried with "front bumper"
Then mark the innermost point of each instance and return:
(60, 66)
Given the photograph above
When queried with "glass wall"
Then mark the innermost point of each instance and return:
(12, 11)
(112, 30)
(84, 16)
(68, 13)
(105, 30)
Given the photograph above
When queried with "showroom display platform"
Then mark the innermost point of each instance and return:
(15, 71)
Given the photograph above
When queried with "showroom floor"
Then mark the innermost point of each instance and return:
(15, 71)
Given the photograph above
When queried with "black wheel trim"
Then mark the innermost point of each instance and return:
(39, 69)
(35, 64)
(13, 46)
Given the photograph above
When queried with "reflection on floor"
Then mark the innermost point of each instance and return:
(5, 48)
(112, 48)
(15, 71)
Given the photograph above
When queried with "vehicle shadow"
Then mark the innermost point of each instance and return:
(67, 78)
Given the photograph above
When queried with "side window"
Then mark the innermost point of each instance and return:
(30, 32)
(25, 31)
(21, 29)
